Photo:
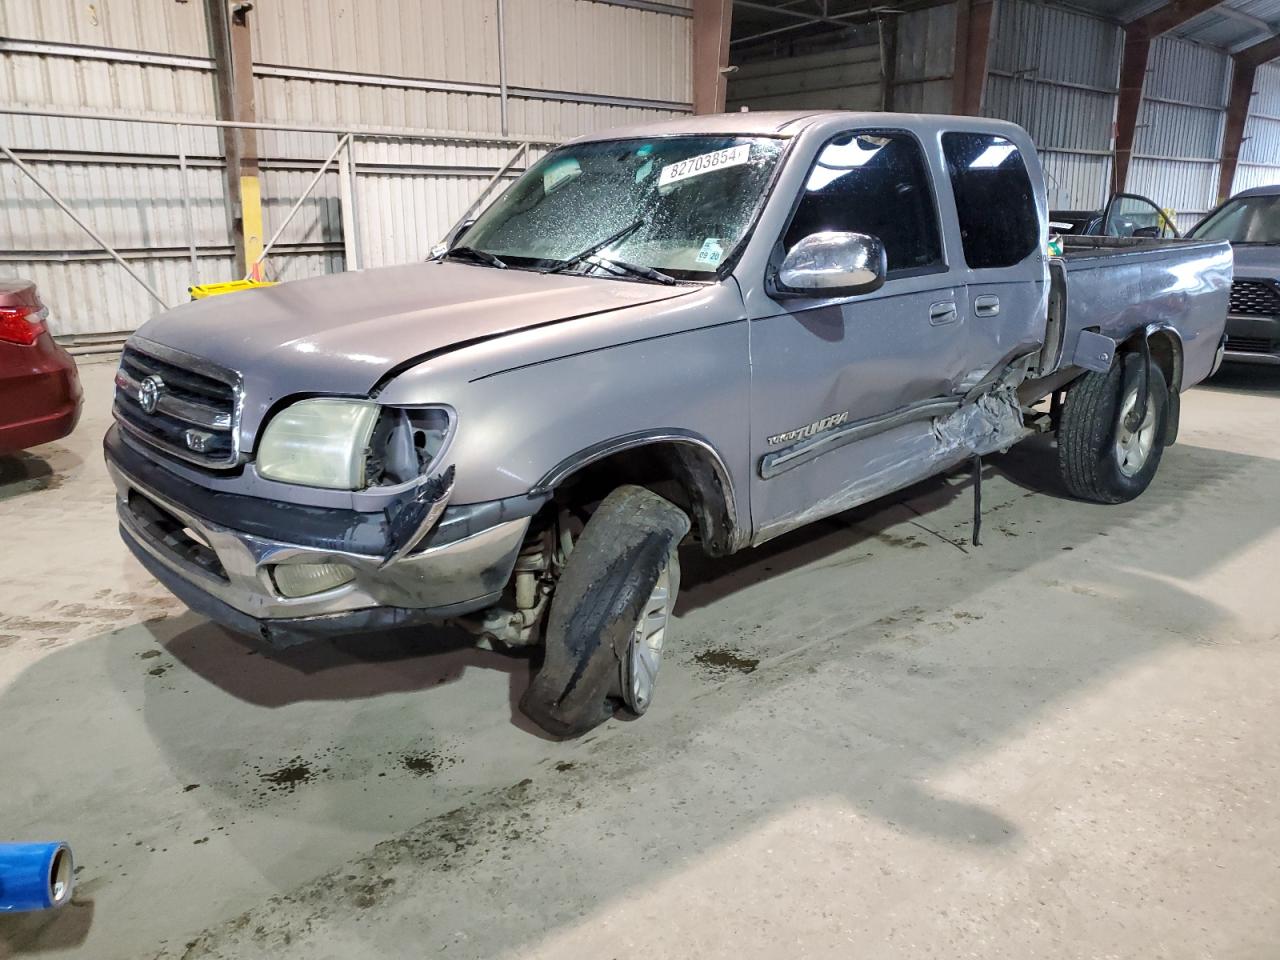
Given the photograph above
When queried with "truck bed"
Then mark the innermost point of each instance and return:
(1115, 286)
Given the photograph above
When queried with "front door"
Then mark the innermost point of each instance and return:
(819, 367)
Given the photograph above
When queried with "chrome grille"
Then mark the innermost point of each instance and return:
(181, 404)
(1255, 298)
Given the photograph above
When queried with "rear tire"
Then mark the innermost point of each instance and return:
(603, 606)
(1099, 458)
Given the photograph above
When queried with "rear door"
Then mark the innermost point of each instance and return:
(1000, 232)
(822, 366)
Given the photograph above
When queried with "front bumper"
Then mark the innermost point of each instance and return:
(1252, 339)
(225, 573)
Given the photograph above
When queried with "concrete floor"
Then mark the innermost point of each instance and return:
(871, 739)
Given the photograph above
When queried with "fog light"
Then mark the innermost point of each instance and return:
(304, 579)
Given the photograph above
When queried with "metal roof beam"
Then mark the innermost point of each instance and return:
(1259, 53)
(1138, 35)
(1168, 17)
(1244, 65)
(1226, 10)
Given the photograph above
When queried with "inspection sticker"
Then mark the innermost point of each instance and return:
(711, 251)
(705, 163)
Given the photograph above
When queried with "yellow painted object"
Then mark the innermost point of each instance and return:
(251, 218)
(202, 290)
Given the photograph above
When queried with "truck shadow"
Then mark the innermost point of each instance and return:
(1245, 378)
(27, 472)
(1031, 466)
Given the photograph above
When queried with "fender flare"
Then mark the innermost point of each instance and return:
(733, 536)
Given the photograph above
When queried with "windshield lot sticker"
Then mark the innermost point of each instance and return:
(711, 251)
(705, 163)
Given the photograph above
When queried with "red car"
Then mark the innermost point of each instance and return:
(40, 395)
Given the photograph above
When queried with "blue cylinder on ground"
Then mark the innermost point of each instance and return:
(34, 876)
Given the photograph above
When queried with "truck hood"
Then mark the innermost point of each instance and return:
(341, 333)
(1256, 262)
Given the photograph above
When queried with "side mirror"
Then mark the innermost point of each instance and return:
(1150, 233)
(832, 264)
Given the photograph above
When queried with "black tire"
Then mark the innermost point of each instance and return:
(611, 573)
(1092, 465)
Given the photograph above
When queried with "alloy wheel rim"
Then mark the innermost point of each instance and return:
(1133, 447)
(645, 655)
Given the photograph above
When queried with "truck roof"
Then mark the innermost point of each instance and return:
(1270, 190)
(789, 123)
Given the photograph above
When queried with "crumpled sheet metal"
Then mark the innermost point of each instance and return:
(992, 422)
(917, 451)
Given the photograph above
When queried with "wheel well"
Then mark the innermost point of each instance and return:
(687, 474)
(1166, 352)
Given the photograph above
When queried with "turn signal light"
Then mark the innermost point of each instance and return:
(22, 325)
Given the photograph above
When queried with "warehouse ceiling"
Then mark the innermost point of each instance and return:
(762, 22)
(1231, 26)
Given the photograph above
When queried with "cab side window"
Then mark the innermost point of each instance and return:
(994, 200)
(874, 183)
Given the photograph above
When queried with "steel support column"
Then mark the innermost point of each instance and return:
(972, 56)
(233, 72)
(1244, 68)
(712, 20)
(1138, 35)
(887, 30)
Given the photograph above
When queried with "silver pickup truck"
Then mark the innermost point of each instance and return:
(711, 330)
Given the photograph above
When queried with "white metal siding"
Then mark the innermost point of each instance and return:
(156, 26)
(1260, 153)
(600, 48)
(1178, 142)
(846, 79)
(1055, 72)
(924, 64)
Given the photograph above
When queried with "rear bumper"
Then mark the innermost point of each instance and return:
(42, 429)
(226, 574)
(40, 395)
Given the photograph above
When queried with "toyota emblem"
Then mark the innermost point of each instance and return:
(149, 393)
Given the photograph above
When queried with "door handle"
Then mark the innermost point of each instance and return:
(987, 306)
(944, 311)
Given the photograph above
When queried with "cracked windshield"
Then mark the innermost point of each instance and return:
(659, 210)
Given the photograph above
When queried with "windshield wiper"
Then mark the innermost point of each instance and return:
(577, 258)
(634, 268)
(483, 256)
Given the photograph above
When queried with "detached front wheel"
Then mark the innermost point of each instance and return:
(610, 614)
(1105, 453)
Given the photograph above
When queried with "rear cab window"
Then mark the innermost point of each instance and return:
(995, 204)
(876, 183)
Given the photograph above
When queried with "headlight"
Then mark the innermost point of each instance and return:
(319, 443)
(352, 444)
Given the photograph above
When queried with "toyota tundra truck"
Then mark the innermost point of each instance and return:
(708, 331)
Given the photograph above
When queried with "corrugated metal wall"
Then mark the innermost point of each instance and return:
(1055, 72)
(923, 66)
(1260, 153)
(845, 79)
(1178, 144)
(410, 66)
